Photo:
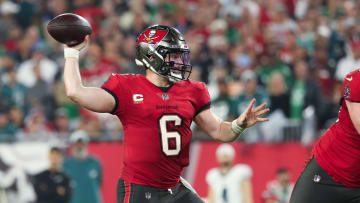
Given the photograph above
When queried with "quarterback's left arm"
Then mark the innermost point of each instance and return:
(246, 190)
(354, 111)
(229, 131)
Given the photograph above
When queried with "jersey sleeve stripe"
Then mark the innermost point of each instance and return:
(204, 107)
(116, 99)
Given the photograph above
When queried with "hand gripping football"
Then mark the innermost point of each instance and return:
(69, 29)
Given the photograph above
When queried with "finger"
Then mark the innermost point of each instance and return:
(262, 119)
(263, 105)
(249, 108)
(262, 112)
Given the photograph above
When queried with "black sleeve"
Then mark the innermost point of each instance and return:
(68, 189)
(43, 187)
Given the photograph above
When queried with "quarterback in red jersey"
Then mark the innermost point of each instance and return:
(156, 111)
(333, 173)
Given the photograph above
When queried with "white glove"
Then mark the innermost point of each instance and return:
(76, 51)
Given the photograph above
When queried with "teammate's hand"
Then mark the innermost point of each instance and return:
(81, 46)
(250, 117)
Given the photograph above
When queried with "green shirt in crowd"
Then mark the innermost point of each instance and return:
(266, 71)
(297, 97)
(86, 179)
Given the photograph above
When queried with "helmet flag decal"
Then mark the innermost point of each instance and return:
(152, 36)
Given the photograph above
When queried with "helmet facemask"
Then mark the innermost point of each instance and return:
(176, 64)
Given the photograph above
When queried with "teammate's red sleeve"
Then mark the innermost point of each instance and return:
(114, 87)
(203, 99)
(351, 89)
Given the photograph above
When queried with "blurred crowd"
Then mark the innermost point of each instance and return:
(292, 54)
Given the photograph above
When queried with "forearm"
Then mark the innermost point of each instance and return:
(72, 79)
(216, 128)
(92, 98)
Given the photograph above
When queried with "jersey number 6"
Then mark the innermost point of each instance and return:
(170, 139)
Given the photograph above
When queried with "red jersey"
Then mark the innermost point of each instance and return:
(156, 126)
(338, 151)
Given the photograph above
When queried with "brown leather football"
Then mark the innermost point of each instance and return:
(69, 29)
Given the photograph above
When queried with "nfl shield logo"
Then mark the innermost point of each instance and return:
(165, 97)
(148, 195)
(317, 178)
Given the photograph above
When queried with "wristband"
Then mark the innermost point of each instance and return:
(71, 53)
(236, 128)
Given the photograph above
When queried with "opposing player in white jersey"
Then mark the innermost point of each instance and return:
(229, 183)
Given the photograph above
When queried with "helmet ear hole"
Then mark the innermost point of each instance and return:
(163, 70)
(162, 52)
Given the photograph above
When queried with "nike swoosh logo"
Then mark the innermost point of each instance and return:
(349, 79)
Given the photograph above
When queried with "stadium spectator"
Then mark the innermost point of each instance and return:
(273, 131)
(350, 62)
(47, 68)
(16, 117)
(84, 170)
(273, 63)
(278, 93)
(62, 128)
(7, 10)
(63, 102)
(251, 90)
(52, 185)
(221, 104)
(304, 92)
(279, 190)
(37, 128)
(91, 124)
(229, 183)
(40, 95)
(14, 90)
(281, 23)
(7, 130)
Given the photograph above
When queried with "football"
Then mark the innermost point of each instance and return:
(69, 29)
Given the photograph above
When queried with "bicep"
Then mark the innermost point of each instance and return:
(209, 123)
(96, 99)
(354, 111)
